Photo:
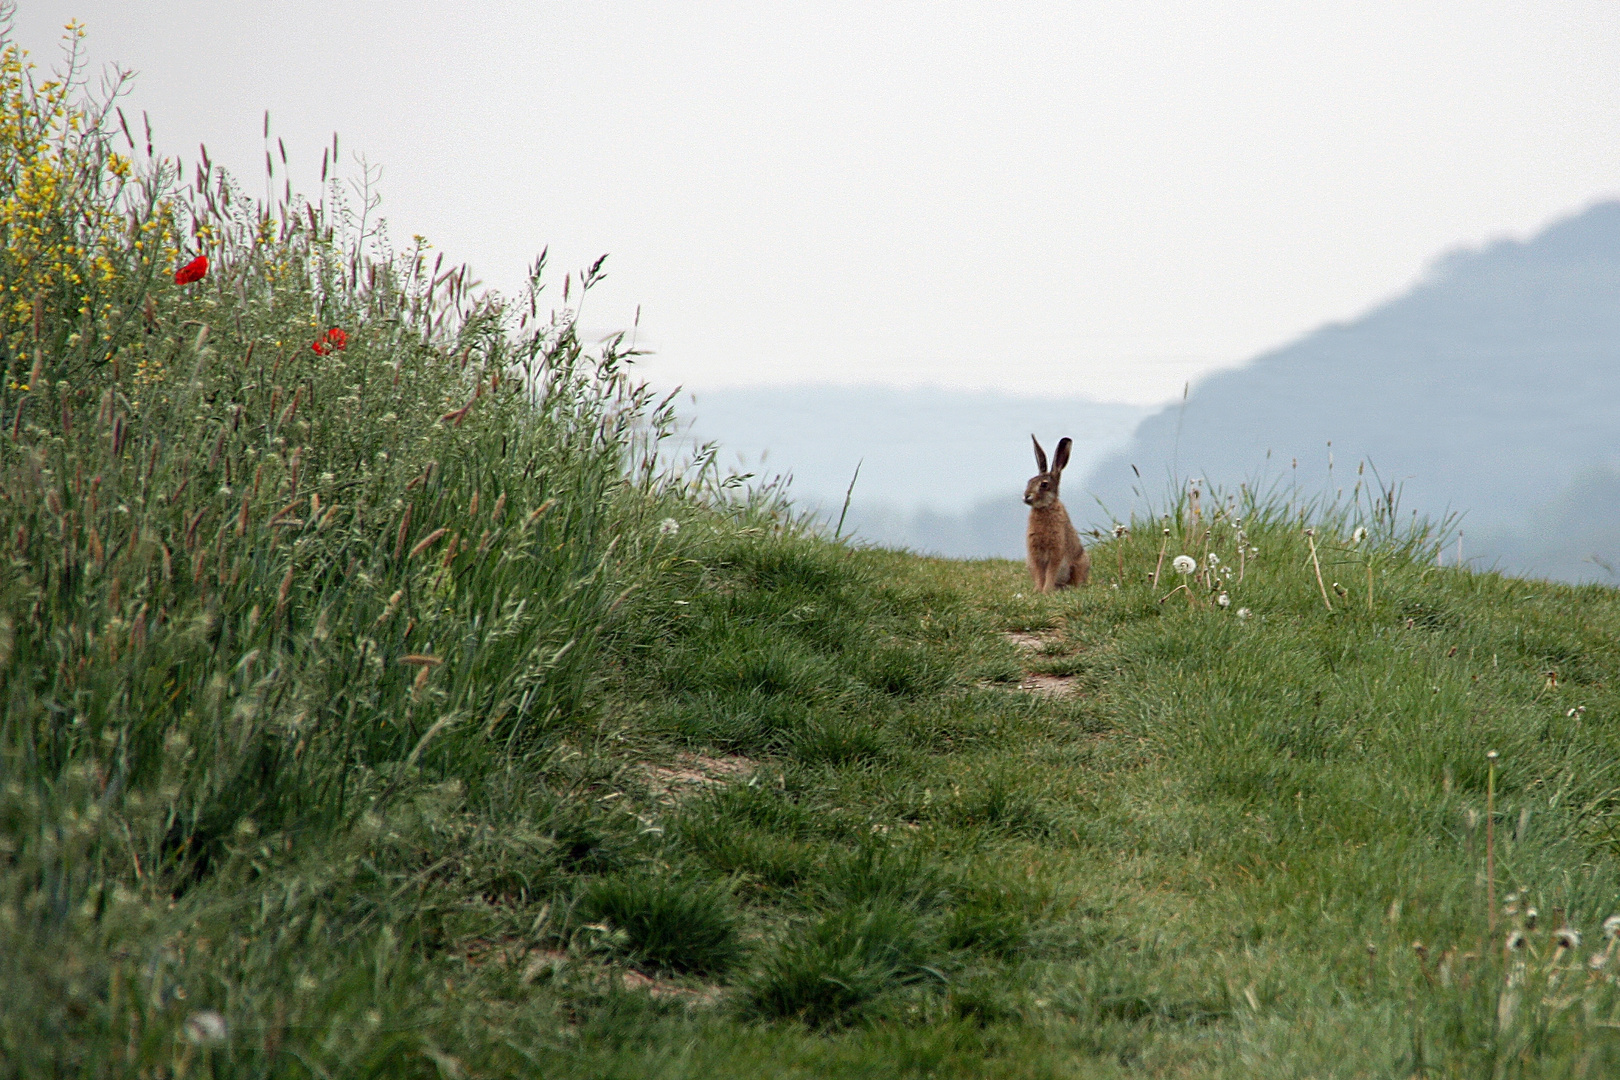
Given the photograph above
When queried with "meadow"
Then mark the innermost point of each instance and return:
(379, 700)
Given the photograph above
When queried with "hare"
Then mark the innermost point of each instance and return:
(1056, 557)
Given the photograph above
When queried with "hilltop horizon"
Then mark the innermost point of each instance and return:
(1485, 391)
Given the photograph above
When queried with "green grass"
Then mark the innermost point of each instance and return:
(309, 788)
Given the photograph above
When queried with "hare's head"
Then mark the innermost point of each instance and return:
(1042, 489)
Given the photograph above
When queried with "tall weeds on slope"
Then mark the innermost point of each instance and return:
(277, 540)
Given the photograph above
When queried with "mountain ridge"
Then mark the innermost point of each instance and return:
(1486, 389)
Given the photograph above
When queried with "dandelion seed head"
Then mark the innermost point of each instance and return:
(1359, 535)
(1244, 613)
(1120, 530)
(1224, 600)
(1214, 559)
(1568, 937)
(1611, 927)
(1597, 961)
(668, 527)
(206, 1028)
(1515, 941)
(1184, 564)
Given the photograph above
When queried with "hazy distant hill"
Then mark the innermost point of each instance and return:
(1490, 388)
(942, 471)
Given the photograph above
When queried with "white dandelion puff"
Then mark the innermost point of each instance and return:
(1515, 941)
(206, 1028)
(668, 527)
(1568, 938)
(1214, 559)
(1244, 613)
(1611, 927)
(1358, 536)
(1184, 564)
(1120, 530)
(1224, 600)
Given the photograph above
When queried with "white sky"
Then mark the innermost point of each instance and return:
(1095, 199)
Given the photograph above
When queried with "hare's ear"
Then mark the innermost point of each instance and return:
(1061, 458)
(1040, 455)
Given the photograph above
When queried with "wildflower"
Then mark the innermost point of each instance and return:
(195, 270)
(206, 1028)
(1515, 941)
(668, 527)
(1184, 564)
(1224, 600)
(1611, 927)
(1568, 938)
(335, 338)
(1244, 613)
(1121, 531)
(1214, 560)
(1358, 536)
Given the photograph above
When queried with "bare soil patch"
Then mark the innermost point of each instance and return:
(694, 772)
(1038, 682)
(1048, 685)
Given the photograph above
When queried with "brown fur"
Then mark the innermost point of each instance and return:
(1057, 559)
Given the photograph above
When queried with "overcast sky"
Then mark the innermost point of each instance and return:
(1096, 199)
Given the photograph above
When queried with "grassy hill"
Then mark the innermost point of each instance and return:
(376, 703)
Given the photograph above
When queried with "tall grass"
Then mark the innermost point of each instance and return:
(283, 544)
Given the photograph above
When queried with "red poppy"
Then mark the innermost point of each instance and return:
(195, 270)
(334, 338)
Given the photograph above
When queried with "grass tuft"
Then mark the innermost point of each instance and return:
(669, 923)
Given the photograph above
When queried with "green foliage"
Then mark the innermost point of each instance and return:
(825, 972)
(668, 922)
(358, 716)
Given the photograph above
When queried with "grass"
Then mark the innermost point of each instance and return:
(360, 715)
